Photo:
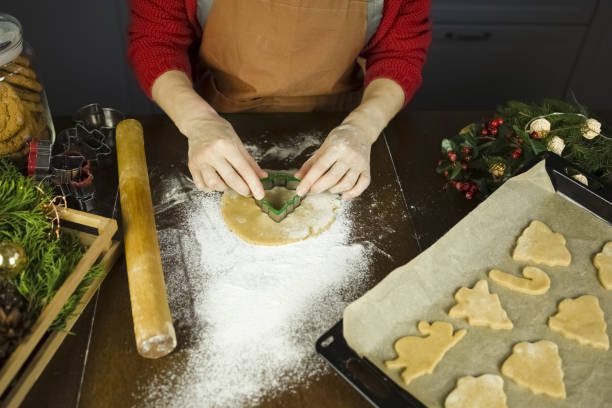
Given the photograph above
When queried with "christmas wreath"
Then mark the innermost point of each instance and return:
(484, 155)
(35, 257)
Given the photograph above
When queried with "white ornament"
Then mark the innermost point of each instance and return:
(581, 178)
(539, 125)
(591, 129)
(556, 145)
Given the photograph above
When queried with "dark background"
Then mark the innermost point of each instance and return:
(484, 52)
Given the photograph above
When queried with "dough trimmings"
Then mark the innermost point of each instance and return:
(480, 307)
(536, 366)
(603, 262)
(581, 319)
(486, 391)
(421, 355)
(541, 245)
(534, 282)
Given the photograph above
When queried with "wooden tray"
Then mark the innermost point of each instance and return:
(18, 374)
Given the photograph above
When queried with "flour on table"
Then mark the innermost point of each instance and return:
(247, 316)
(289, 150)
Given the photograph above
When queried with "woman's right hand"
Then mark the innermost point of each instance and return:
(218, 159)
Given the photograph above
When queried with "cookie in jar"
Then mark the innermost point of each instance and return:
(24, 111)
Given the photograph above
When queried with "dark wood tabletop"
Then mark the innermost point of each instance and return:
(98, 366)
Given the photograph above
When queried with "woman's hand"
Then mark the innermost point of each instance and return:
(341, 164)
(218, 159)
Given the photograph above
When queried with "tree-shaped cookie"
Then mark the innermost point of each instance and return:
(603, 263)
(536, 366)
(420, 355)
(581, 319)
(480, 307)
(486, 391)
(539, 244)
(534, 282)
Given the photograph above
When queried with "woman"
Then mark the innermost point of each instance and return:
(279, 55)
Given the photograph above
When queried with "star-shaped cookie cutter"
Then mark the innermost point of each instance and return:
(279, 180)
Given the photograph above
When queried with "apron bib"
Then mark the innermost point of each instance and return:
(283, 55)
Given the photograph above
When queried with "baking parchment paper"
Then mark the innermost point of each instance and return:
(424, 288)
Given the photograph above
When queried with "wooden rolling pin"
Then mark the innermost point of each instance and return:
(153, 327)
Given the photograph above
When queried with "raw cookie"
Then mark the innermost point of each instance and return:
(603, 263)
(581, 319)
(480, 307)
(421, 355)
(11, 112)
(486, 391)
(315, 214)
(539, 244)
(535, 281)
(536, 366)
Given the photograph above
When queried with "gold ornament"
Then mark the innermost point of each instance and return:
(556, 145)
(581, 178)
(541, 126)
(497, 169)
(12, 259)
(591, 128)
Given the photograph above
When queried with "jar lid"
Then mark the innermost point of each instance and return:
(11, 43)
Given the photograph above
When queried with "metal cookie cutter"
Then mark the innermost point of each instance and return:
(279, 180)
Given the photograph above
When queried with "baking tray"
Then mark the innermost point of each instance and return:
(371, 382)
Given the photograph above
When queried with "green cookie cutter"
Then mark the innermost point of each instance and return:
(279, 180)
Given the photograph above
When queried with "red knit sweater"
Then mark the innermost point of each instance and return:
(165, 35)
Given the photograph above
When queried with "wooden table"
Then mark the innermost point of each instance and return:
(99, 365)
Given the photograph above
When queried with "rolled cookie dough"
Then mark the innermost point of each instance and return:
(534, 282)
(486, 391)
(536, 366)
(603, 263)
(539, 244)
(315, 214)
(581, 319)
(421, 355)
(480, 307)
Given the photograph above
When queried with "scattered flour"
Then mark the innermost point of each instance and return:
(288, 150)
(247, 316)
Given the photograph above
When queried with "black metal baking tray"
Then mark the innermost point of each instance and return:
(372, 383)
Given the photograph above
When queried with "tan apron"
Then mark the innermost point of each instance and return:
(283, 55)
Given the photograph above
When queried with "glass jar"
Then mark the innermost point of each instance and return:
(24, 111)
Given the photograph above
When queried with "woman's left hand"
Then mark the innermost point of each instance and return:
(341, 164)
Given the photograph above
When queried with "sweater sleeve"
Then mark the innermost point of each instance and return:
(159, 35)
(399, 48)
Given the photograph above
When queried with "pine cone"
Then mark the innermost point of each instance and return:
(15, 319)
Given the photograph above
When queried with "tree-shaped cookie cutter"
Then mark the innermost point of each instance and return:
(279, 180)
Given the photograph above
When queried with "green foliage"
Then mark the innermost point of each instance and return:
(25, 218)
(493, 158)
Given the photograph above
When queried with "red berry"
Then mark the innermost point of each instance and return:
(445, 173)
(468, 158)
(465, 186)
(534, 135)
(465, 149)
(464, 166)
(440, 162)
(494, 131)
(450, 152)
(494, 123)
(459, 185)
(468, 195)
(484, 132)
(500, 121)
(473, 189)
(453, 157)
